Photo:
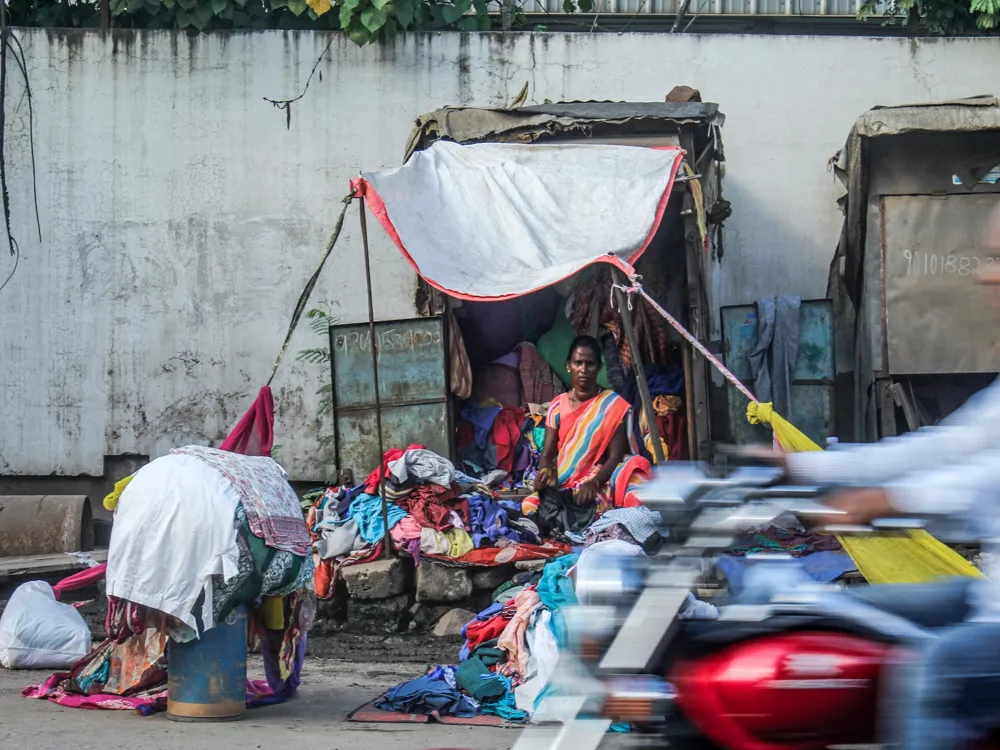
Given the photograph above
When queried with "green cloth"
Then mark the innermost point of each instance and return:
(489, 656)
(475, 678)
(554, 346)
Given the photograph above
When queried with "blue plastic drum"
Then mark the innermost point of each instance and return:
(207, 678)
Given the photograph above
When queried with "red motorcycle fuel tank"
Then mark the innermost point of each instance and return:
(794, 691)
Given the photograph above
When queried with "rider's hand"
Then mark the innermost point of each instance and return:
(860, 507)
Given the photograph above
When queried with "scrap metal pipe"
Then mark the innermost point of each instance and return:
(45, 524)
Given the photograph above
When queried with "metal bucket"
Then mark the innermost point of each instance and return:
(207, 678)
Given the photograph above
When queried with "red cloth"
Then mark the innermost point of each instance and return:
(506, 433)
(371, 483)
(79, 580)
(247, 440)
(431, 506)
(487, 556)
(485, 630)
(673, 430)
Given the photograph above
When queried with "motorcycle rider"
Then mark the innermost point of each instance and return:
(949, 472)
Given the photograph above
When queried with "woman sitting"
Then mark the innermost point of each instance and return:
(589, 446)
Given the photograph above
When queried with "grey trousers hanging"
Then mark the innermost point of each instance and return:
(772, 361)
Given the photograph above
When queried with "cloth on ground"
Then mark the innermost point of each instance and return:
(475, 678)
(640, 522)
(544, 655)
(772, 360)
(556, 591)
(695, 609)
(616, 531)
(424, 465)
(173, 532)
(512, 639)
(271, 504)
(492, 556)
(822, 567)
(408, 535)
(596, 558)
(434, 693)
(487, 614)
(789, 541)
(481, 631)
(489, 521)
(366, 512)
(371, 485)
(339, 539)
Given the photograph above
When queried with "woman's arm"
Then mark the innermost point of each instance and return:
(547, 463)
(587, 492)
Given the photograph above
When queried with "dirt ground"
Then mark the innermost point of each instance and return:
(341, 673)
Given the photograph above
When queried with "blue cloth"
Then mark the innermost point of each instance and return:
(435, 692)
(663, 381)
(366, 511)
(482, 418)
(486, 614)
(506, 708)
(489, 521)
(822, 567)
(555, 591)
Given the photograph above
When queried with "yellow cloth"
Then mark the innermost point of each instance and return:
(111, 501)
(904, 557)
(652, 453)
(272, 612)
(459, 542)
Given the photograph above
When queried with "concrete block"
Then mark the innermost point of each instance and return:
(453, 622)
(439, 583)
(491, 578)
(375, 580)
(376, 615)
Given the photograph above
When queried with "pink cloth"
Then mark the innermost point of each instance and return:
(79, 580)
(512, 639)
(247, 440)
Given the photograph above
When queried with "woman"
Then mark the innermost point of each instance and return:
(589, 441)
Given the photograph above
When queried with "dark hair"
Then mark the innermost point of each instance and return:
(585, 342)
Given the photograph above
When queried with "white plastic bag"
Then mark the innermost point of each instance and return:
(38, 632)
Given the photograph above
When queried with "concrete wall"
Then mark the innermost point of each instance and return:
(181, 215)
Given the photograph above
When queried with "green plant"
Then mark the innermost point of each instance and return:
(937, 17)
(320, 319)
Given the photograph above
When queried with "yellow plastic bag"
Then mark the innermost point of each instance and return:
(903, 557)
(111, 501)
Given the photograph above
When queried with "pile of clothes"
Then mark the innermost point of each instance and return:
(197, 533)
(511, 649)
(432, 509)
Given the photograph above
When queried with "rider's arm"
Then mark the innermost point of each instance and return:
(972, 429)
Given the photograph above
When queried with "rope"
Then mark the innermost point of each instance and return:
(300, 306)
(636, 288)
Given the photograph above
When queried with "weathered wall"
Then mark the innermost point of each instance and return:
(180, 215)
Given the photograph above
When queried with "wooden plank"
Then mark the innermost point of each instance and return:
(44, 565)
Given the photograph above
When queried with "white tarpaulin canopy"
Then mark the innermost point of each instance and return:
(491, 221)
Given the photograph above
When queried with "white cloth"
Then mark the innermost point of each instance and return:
(543, 657)
(492, 220)
(173, 530)
(420, 463)
(951, 471)
(593, 562)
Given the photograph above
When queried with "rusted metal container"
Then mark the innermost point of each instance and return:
(45, 524)
(207, 678)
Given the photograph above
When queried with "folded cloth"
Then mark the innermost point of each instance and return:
(423, 464)
(640, 522)
(366, 511)
(435, 693)
(475, 678)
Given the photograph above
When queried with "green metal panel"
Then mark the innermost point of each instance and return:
(812, 387)
(413, 389)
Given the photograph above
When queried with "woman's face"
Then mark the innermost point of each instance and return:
(583, 367)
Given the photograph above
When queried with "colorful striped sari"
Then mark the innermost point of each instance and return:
(585, 436)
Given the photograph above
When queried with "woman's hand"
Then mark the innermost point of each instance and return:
(543, 479)
(586, 493)
(860, 507)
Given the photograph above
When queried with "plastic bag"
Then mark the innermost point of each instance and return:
(37, 632)
(909, 557)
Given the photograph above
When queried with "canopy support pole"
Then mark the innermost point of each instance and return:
(640, 370)
(373, 341)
